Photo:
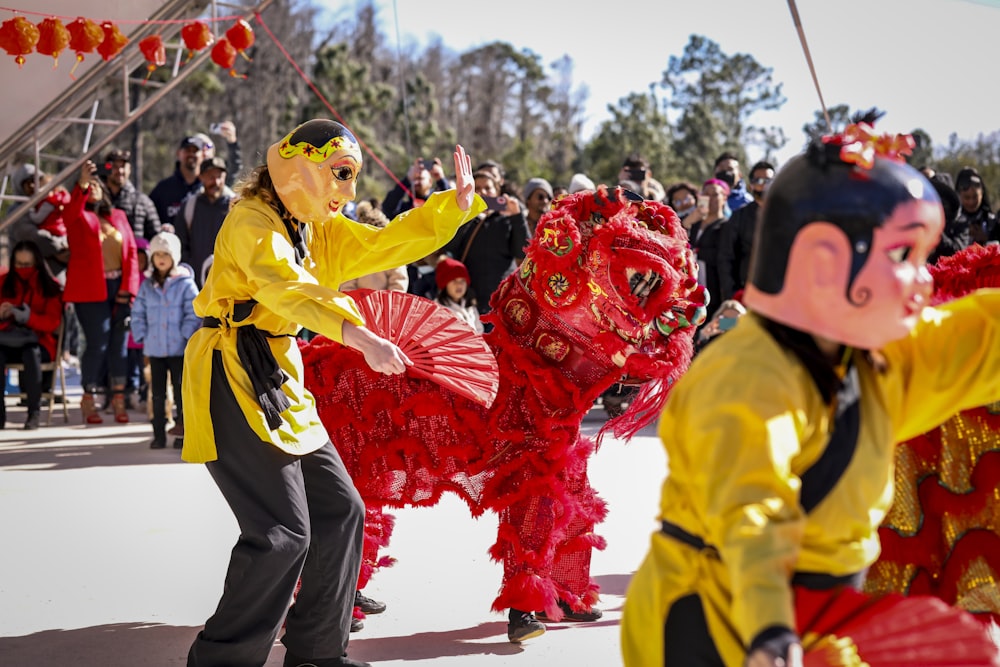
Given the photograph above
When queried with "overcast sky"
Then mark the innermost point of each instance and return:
(929, 63)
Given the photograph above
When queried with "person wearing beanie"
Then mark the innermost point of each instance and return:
(162, 321)
(453, 292)
(537, 194)
(580, 182)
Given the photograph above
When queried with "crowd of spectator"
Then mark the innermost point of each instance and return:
(99, 242)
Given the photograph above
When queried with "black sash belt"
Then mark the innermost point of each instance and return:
(257, 358)
(811, 580)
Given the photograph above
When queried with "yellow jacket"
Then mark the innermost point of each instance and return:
(254, 259)
(741, 427)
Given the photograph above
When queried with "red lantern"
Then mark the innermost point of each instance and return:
(241, 37)
(53, 37)
(84, 37)
(154, 52)
(224, 55)
(196, 35)
(114, 41)
(18, 37)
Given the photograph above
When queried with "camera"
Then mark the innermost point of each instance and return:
(637, 175)
(495, 203)
(215, 128)
(427, 164)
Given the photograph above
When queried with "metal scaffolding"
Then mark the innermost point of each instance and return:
(80, 102)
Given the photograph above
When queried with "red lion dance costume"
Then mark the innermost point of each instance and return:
(942, 535)
(607, 290)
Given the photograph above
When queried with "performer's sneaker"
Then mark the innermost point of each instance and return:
(357, 625)
(367, 605)
(523, 625)
(588, 616)
(292, 660)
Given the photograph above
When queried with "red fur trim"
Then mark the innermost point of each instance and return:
(972, 268)
(529, 592)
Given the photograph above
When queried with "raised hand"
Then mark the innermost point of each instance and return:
(464, 183)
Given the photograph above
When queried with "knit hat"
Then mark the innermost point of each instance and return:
(168, 243)
(535, 184)
(449, 269)
(580, 182)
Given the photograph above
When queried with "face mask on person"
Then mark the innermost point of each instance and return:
(26, 273)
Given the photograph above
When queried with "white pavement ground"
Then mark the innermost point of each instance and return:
(113, 555)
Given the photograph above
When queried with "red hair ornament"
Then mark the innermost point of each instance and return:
(18, 37)
(53, 37)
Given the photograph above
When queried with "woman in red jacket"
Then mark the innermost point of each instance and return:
(101, 281)
(30, 313)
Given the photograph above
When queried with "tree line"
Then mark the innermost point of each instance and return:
(500, 101)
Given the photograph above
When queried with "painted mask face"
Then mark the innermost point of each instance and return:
(894, 285)
(884, 301)
(315, 170)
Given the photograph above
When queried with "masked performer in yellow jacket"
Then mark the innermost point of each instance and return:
(780, 437)
(280, 255)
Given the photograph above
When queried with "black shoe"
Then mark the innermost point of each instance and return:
(157, 443)
(523, 625)
(592, 614)
(292, 660)
(367, 605)
(178, 443)
(357, 625)
(31, 423)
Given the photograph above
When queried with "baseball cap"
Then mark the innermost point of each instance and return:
(187, 142)
(115, 154)
(213, 163)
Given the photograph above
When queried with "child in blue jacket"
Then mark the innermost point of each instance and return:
(162, 320)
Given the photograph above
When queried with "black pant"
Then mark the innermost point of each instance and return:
(158, 368)
(297, 515)
(30, 379)
(686, 640)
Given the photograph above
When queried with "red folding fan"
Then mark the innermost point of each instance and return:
(847, 628)
(443, 349)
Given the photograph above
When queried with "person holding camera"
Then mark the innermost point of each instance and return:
(101, 281)
(423, 178)
(493, 246)
(636, 169)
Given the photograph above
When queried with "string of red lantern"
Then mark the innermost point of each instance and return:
(19, 37)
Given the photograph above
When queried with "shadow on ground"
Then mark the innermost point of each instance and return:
(430, 645)
(115, 645)
(39, 456)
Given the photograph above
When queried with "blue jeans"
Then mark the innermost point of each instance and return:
(105, 330)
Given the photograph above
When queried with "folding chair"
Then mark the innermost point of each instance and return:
(58, 374)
